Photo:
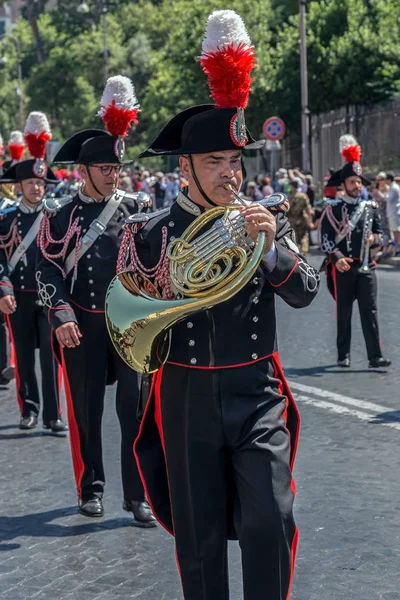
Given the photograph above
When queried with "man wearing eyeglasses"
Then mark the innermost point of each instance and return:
(79, 243)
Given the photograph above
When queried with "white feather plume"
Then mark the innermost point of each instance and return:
(224, 27)
(122, 91)
(36, 123)
(346, 140)
(1, 141)
(16, 137)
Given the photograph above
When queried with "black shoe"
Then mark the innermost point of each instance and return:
(28, 422)
(7, 374)
(56, 426)
(344, 362)
(379, 362)
(143, 516)
(91, 508)
(4, 381)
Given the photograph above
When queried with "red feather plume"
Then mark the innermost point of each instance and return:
(118, 120)
(37, 143)
(228, 72)
(16, 151)
(352, 153)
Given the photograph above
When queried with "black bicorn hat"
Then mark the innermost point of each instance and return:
(350, 150)
(227, 60)
(27, 169)
(199, 130)
(91, 146)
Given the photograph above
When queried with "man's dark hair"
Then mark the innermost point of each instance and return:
(390, 176)
(294, 183)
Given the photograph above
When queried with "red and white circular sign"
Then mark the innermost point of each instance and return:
(274, 129)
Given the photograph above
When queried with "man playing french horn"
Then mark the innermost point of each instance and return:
(219, 433)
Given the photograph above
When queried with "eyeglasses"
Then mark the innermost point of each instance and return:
(106, 170)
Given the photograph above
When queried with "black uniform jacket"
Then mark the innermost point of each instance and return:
(243, 329)
(236, 333)
(17, 223)
(351, 248)
(96, 267)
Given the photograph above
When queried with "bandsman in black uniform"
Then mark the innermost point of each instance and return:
(8, 198)
(19, 300)
(79, 241)
(350, 229)
(219, 434)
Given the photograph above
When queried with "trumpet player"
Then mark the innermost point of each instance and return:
(218, 438)
(350, 228)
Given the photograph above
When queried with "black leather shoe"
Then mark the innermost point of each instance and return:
(379, 362)
(56, 426)
(91, 508)
(142, 514)
(8, 373)
(344, 362)
(28, 422)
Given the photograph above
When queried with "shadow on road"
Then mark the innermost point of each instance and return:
(320, 370)
(387, 417)
(40, 525)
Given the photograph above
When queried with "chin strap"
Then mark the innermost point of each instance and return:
(93, 184)
(197, 182)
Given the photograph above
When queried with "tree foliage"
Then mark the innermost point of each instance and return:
(353, 57)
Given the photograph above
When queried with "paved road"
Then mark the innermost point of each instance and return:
(347, 474)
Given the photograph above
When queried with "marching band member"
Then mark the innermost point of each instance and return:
(218, 438)
(350, 228)
(18, 287)
(79, 241)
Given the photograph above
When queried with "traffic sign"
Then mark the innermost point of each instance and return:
(274, 129)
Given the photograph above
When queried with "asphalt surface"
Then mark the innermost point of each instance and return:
(347, 473)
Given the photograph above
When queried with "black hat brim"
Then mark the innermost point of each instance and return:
(198, 130)
(348, 171)
(24, 170)
(91, 146)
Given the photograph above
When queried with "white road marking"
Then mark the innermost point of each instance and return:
(344, 405)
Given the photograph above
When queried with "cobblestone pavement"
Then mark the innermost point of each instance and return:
(347, 506)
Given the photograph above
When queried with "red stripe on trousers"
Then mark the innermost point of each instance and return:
(60, 382)
(293, 552)
(14, 363)
(159, 423)
(155, 384)
(77, 460)
(279, 374)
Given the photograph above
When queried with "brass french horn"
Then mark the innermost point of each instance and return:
(206, 269)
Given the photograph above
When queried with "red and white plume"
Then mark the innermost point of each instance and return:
(1, 145)
(228, 59)
(119, 106)
(349, 148)
(16, 145)
(37, 134)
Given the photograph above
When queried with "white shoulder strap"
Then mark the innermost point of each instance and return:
(26, 242)
(96, 228)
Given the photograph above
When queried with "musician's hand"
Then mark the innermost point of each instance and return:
(343, 265)
(259, 219)
(8, 304)
(68, 335)
(371, 239)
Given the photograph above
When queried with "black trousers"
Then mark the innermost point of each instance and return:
(4, 345)
(31, 330)
(87, 370)
(350, 286)
(228, 459)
